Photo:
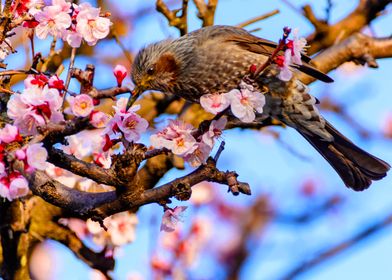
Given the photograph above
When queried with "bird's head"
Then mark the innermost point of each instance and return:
(155, 68)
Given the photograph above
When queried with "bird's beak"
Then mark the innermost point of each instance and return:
(137, 91)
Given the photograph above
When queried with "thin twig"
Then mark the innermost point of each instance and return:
(258, 18)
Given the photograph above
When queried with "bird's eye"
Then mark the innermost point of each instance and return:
(150, 71)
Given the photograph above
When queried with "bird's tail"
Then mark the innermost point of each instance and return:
(356, 167)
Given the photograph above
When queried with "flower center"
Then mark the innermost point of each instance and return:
(131, 124)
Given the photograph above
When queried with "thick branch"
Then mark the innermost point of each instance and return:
(180, 22)
(327, 35)
(206, 11)
(357, 47)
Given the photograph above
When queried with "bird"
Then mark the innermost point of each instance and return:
(215, 59)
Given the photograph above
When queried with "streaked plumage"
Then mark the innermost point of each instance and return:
(215, 59)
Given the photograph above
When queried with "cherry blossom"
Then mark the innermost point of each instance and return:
(171, 217)
(132, 125)
(199, 155)
(35, 107)
(176, 137)
(120, 72)
(90, 25)
(13, 186)
(99, 119)
(37, 156)
(81, 105)
(9, 133)
(52, 21)
(244, 102)
(214, 131)
(296, 47)
(214, 103)
(202, 193)
(121, 229)
(55, 82)
(126, 123)
(285, 73)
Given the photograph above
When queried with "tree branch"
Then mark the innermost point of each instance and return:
(358, 47)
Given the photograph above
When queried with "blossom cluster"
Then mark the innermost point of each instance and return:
(180, 138)
(292, 55)
(68, 21)
(120, 229)
(243, 101)
(12, 183)
(125, 123)
(39, 103)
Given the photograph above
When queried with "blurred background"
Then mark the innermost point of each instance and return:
(300, 222)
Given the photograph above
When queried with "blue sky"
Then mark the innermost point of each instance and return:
(259, 160)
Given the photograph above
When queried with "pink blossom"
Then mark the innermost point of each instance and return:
(171, 217)
(132, 125)
(202, 193)
(120, 72)
(90, 25)
(9, 133)
(245, 102)
(2, 169)
(5, 49)
(99, 119)
(13, 186)
(73, 38)
(214, 131)
(176, 137)
(76, 225)
(121, 229)
(52, 21)
(285, 73)
(35, 107)
(296, 46)
(20, 154)
(37, 156)
(81, 105)
(56, 82)
(199, 155)
(214, 103)
(103, 159)
(36, 81)
(63, 5)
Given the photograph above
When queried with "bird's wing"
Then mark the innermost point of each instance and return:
(262, 46)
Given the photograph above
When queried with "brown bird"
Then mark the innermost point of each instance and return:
(215, 59)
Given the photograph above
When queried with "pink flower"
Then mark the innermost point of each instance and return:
(121, 229)
(296, 47)
(199, 155)
(56, 82)
(52, 21)
(132, 125)
(13, 186)
(81, 105)
(214, 103)
(285, 72)
(63, 5)
(37, 156)
(245, 102)
(202, 193)
(99, 119)
(171, 217)
(120, 72)
(90, 25)
(34, 107)
(9, 133)
(215, 130)
(73, 38)
(176, 137)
